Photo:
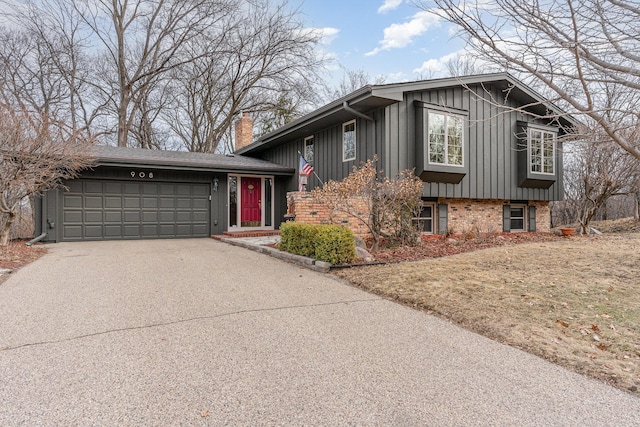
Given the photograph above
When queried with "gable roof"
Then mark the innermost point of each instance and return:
(371, 97)
(182, 160)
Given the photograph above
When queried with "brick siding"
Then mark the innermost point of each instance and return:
(464, 215)
(308, 211)
(485, 216)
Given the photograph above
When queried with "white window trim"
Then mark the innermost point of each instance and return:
(553, 155)
(313, 144)
(524, 218)
(433, 217)
(446, 145)
(354, 140)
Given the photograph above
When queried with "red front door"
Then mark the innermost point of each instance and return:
(251, 202)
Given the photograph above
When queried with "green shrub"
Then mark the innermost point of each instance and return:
(330, 243)
(298, 238)
(335, 244)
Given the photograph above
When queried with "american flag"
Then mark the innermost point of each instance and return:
(305, 167)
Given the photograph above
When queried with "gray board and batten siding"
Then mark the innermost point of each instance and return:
(327, 161)
(491, 143)
(491, 137)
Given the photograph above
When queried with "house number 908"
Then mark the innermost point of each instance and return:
(142, 174)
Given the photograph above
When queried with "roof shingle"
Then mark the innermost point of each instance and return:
(119, 156)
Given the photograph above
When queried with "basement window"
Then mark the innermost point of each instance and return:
(517, 218)
(424, 220)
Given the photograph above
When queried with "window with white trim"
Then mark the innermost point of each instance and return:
(308, 149)
(542, 148)
(349, 141)
(445, 138)
(518, 222)
(425, 221)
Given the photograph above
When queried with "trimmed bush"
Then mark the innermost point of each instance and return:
(336, 245)
(298, 238)
(329, 243)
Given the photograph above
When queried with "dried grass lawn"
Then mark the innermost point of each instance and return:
(574, 301)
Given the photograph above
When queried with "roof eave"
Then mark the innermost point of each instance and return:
(191, 167)
(353, 99)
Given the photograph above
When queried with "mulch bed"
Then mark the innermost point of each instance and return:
(439, 246)
(17, 254)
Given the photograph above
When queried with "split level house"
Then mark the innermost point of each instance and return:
(488, 161)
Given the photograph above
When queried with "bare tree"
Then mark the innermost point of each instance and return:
(157, 73)
(386, 207)
(143, 41)
(44, 52)
(263, 60)
(595, 171)
(464, 65)
(580, 51)
(36, 153)
(351, 81)
(27, 79)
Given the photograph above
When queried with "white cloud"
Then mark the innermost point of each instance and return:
(400, 76)
(465, 61)
(389, 5)
(326, 34)
(436, 67)
(400, 35)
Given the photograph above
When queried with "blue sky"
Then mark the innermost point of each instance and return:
(392, 38)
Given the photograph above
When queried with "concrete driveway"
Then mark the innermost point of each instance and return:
(197, 332)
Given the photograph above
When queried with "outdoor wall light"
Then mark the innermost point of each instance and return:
(216, 182)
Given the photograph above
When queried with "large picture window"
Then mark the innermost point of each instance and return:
(445, 139)
(349, 141)
(542, 147)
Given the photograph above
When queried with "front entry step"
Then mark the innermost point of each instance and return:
(252, 233)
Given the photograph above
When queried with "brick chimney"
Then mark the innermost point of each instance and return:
(244, 131)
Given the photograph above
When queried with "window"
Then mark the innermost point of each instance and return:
(445, 139)
(308, 149)
(542, 147)
(233, 201)
(517, 218)
(424, 221)
(268, 202)
(349, 141)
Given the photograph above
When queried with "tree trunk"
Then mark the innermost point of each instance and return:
(122, 120)
(6, 228)
(636, 207)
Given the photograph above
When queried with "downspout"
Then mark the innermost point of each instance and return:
(37, 239)
(43, 222)
(346, 107)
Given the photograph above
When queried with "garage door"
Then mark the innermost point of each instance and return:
(96, 210)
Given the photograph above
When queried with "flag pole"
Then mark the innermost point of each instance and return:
(314, 169)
